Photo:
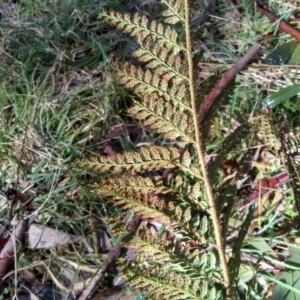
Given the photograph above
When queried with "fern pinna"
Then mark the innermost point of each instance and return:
(184, 258)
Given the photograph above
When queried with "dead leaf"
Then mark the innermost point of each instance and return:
(266, 185)
(7, 252)
(39, 236)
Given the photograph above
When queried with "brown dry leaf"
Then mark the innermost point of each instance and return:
(7, 253)
(39, 236)
(266, 185)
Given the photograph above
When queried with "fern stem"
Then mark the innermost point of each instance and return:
(199, 148)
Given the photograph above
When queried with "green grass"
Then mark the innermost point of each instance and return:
(57, 100)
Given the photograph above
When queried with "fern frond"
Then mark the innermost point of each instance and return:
(169, 71)
(164, 283)
(140, 27)
(136, 194)
(175, 10)
(164, 118)
(143, 205)
(147, 159)
(142, 184)
(152, 84)
(264, 128)
(161, 59)
(192, 191)
(166, 86)
(140, 196)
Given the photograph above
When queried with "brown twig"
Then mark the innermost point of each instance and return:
(283, 25)
(223, 82)
(112, 256)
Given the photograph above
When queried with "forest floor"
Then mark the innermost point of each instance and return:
(59, 103)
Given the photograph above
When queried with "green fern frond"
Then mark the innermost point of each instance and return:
(185, 188)
(166, 204)
(160, 59)
(142, 184)
(263, 125)
(166, 81)
(164, 285)
(141, 204)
